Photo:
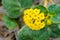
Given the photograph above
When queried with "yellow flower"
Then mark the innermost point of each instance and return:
(26, 12)
(49, 22)
(33, 18)
(47, 17)
(42, 25)
(30, 11)
(37, 28)
(36, 11)
(34, 27)
(37, 22)
(42, 16)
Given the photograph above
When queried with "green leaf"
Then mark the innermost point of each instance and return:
(55, 19)
(26, 33)
(55, 11)
(54, 31)
(9, 23)
(42, 8)
(52, 9)
(59, 26)
(26, 3)
(13, 8)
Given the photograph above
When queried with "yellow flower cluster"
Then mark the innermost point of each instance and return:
(49, 22)
(34, 19)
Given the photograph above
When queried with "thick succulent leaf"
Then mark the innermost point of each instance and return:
(13, 8)
(55, 19)
(9, 23)
(59, 26)
(54, 31)
(52, 9)
(26, 3)
(42, 8)
(55, 11)
(26, 33)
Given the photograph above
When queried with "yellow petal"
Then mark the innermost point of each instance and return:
(49, 22)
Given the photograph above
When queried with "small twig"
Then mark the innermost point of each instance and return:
(44, 3)
(52, 1)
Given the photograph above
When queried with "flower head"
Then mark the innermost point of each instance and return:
(33, 18)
